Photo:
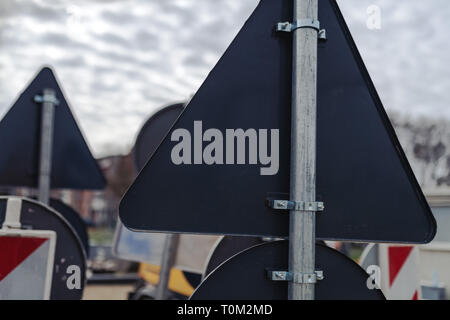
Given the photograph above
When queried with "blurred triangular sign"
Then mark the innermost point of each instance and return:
(73, 166)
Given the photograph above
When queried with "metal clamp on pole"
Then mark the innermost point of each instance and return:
(48, 97)
(295, 277)
(302, 23)
(296, 206)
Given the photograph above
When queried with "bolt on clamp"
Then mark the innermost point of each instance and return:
(300, 278)
(296, 205)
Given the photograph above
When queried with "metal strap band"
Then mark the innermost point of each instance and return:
(46, 99)
(301, 23)
(308, 278)
(306, 23)
(296, 206)
(13, 213)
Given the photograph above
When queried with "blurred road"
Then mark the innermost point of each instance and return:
(107, 292)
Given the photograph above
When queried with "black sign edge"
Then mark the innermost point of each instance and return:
(387, 124)
(147, 122)
(263, 244)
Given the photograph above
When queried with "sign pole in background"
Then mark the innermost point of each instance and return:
(49, 102)
(303, 151)
(167, 263)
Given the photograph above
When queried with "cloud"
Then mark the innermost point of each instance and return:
(118, 61)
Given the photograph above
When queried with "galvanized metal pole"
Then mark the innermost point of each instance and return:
(303, 151)
(167, 263)
(48, 101)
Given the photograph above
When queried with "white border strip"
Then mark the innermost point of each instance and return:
(12, 215)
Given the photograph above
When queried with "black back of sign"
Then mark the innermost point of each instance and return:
(153, 132)
(73, 166)
(226, 248)
(242, 277)
(75, 220)
(363, 177)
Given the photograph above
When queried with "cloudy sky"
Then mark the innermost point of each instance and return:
(119, 61)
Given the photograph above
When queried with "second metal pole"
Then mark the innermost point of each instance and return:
(167, 263)
(303, 151)
(48, 102)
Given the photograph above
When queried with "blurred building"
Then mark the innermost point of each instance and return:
(100, 208)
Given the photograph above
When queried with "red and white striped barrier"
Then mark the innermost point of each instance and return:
(400, 272)
(26, 258)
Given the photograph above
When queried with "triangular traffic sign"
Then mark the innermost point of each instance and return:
(363, 176)
(73, 166)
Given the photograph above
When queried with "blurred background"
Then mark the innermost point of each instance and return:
(120, 61)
